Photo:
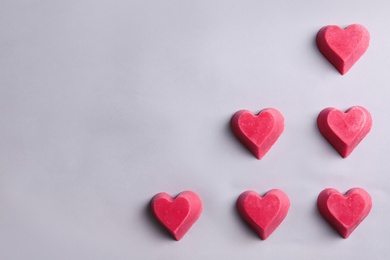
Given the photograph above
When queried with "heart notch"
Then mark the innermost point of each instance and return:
(258, 132)
(343, 47)
(344, 131)
(263, 213)
(177, 214)
(344, 212)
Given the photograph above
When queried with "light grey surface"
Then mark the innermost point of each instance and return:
(105, 103)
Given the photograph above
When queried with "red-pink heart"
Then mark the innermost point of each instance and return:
(344, 212)
(178, 214)
(343, 48)
(263, 213)
(344, 131)
(258, 133)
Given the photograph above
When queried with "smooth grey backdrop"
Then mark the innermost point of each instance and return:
(105, 103)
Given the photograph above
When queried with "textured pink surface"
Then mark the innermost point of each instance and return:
(344, 212)
(344, 131)
(263, 213)
(178, 214)
(343, 48)
(258, 132)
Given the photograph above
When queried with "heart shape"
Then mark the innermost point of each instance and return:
(263, 213)
(258, 133)
(178, 214)
(343, 48)
(344, 211)
(344, 131)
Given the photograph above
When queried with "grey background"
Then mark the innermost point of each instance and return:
(105, 103)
